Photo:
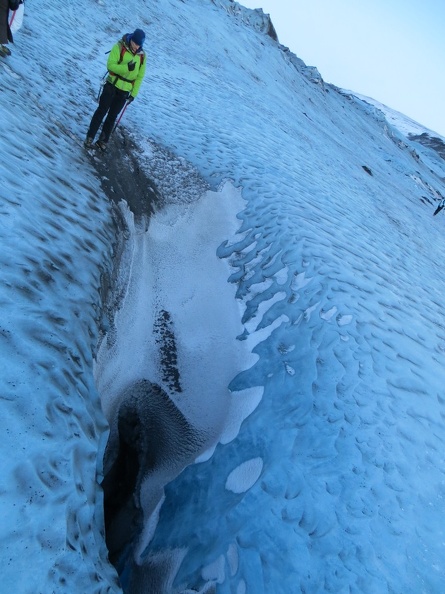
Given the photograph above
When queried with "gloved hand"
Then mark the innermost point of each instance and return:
(130, 98)
(131, 65)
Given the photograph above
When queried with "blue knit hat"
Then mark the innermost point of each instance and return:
(138, 37)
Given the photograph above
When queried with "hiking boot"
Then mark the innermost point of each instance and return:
(88, 142)
(4, 51)
(101, 144)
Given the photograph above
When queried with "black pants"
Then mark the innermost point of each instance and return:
(5, 31)
(112, 100)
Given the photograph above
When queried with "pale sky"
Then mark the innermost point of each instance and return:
(390, 50)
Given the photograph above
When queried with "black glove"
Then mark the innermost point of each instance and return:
(130, 98)
(131, 65)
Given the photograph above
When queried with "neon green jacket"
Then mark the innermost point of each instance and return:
(117, 66)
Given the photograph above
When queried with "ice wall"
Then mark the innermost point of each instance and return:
(56, 234)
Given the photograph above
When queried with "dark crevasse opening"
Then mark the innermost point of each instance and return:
(121, 511)
(152, 439)
(122, 179)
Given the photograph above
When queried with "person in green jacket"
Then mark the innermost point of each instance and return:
(126, 68)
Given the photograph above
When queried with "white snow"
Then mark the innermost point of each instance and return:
(305, 288)
(244, 476)
(186, 278)
(400, 121)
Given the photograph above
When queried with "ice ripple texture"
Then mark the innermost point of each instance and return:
(56, 235)
(342, 305)
(335, 482)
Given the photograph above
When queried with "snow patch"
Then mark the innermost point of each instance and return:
(244, 476)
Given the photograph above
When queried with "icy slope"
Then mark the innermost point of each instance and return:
(56, 238)
(335, 481)
(411, 130)
(340, 480)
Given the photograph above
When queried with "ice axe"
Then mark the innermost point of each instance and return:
(127, 103)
